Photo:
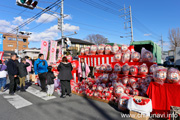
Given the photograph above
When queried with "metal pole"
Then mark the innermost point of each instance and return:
(62, 22)
(17, 41)
(162, 42)
(131, 24)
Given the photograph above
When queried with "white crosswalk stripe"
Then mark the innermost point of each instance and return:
(16, 100)
(39, 94)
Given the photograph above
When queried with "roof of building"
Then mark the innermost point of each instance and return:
(14, 35)
(78, 41)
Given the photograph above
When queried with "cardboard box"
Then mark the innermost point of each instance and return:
(138, 116)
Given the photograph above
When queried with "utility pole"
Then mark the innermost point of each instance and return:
(128, 20)
(62, 22)
(17, 30)
(161, 43)
(131, 24)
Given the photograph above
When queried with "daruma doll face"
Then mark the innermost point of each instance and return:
(135, 56)
(82, 51)
(93, 49)
(107, 49)
(147, 56)
(124, 48)
(173, 75)
(117, 57)
(86, 50)
(115, 49)
(100, 49)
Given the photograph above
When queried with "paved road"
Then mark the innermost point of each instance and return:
(36, 106)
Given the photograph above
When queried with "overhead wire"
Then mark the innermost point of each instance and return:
(37, 15)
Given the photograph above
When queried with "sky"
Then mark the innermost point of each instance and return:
(150, 19)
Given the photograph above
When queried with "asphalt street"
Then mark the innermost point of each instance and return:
(35, 106)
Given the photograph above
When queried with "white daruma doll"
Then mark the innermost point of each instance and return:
(135, 56)
(101, 49)
(173, 75)
(117, 57)
(82, 51)
(160, 75)
(86, 50)
(115, 49)
(124, 48)
(93, 49)
(108, 49)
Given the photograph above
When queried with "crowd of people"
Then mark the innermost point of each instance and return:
(19, 72)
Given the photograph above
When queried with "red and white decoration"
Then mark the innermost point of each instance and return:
(53, 48)
(44, 48)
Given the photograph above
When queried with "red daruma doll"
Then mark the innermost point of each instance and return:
(115, 48)
(124, 48)
(108, 49)
(173, 75)
(133, 70)
(117, 57)
(125, 69)
(109, 68)
(105, 78)
(101, 49)
(118, 91)
(86, 50)
(93, 49)
(82, 51)
(126, 57)
(103, 68)
(143, 69)
(152, 68)
(160, 75)
(146, 55)
(117, 68)
(135, 56)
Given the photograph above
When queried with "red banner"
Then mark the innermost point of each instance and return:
(1, 55)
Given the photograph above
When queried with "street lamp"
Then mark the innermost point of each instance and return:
(22, 33)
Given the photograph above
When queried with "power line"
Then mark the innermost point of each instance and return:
(37, 15)
(43, 21)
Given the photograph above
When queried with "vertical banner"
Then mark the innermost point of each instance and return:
(53, 48)
(1, 42)
(1, 55)
(60, 52)
(44, 48)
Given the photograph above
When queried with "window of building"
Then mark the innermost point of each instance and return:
(10, 45)
(10, 38)
(24, 46)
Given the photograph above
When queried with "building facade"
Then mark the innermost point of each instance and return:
(10, 43)
(31, 52)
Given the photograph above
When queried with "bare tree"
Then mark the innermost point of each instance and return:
(174, 37)
(97, 39)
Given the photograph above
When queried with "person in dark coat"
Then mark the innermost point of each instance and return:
(22, 67)
(50, 81)
(12, 71)
(65, 76)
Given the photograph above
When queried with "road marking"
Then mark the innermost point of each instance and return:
(39, 94)
(16, 100)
